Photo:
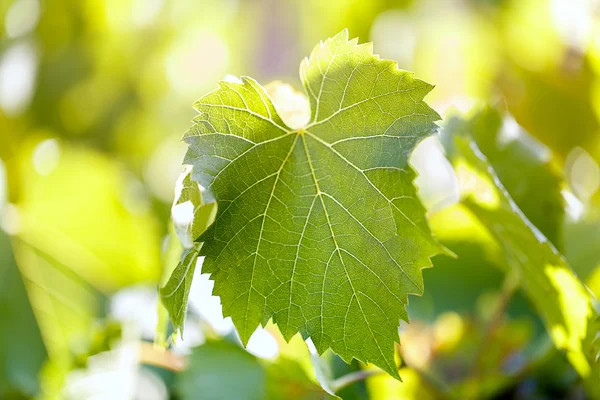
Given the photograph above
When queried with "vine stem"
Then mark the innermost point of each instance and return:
(508, 290)
(152, 355)
(441, 389)
(353, 377)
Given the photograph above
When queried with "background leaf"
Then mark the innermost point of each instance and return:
(522, 164)
(563, 302)
(88, 214)
(22, 352)
(223, 370)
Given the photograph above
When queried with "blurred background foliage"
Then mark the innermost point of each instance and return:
(94, 97)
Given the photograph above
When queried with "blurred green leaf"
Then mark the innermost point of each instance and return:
(223, 370)
(477, 254)
(87, 213)
(318, 228)
(561, 299)
(83, 232)
(22, 351)
(335, 15)
(582, 249)
(555, 106)
(522, 164)
(66, 308)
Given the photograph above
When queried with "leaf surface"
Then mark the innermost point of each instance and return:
(318, 228)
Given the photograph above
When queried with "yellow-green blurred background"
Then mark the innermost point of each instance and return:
(95, 95)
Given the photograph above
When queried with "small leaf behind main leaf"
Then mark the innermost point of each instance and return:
(174, 295)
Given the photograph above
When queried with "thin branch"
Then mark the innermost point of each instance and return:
(441, 389)
(508, 290)
(152, 355)
(354, 377)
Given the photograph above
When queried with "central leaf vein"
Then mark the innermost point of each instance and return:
(338, 250)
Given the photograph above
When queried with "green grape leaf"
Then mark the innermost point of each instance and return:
(222, 370)
(563, 302)
(191, 217)
(522, 165)
(319, 228)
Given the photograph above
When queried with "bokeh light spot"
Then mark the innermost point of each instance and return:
(46, 156)
(21, 18)
(18, 67)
